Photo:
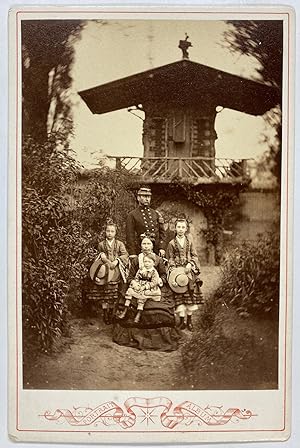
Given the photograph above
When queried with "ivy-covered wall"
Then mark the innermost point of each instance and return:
(211, 203)
(221, 216)
(171, 209)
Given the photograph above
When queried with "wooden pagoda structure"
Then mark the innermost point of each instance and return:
(179, 101)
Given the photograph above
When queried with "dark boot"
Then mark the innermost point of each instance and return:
(189, 323)
(122, 314)
(137, 317)
(105, 316)
(181, 325)
(110, 315)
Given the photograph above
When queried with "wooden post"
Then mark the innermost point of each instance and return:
(180, 167)
(118, 163)
(244, 168)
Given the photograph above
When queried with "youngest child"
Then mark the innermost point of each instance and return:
(146, 285)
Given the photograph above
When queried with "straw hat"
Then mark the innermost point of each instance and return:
(179, 276)
(103, 273)
(113, 275)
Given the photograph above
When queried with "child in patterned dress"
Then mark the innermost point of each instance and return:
(146, 285)
(112, 253)
(181, 253)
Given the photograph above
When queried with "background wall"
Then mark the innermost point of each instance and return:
(171, 209)
(257, 212)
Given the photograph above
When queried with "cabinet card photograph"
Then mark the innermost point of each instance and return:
(150, 224)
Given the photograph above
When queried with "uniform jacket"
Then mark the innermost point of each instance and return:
(180, 256)
(144, 220)
(117, 250)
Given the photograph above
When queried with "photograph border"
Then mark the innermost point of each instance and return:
(287, 193)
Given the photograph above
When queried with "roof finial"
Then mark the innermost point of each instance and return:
(184, 45)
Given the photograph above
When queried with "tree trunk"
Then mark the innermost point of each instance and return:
(35, 102)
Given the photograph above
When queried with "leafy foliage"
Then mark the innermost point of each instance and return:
(60, 220)
(60, 234)
(214, 200)
(47, 55)
(47, 159)
(271, 159)
(250, 277)
(54, 245)
(263, 40)
(103, 193)
(228, 351)
(215, 203)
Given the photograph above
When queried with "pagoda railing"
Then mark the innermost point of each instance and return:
(186, 169)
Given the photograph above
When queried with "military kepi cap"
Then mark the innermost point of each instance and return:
(144, 191)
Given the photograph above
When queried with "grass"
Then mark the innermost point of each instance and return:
(227, 351)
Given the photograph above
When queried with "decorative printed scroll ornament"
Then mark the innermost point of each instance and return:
(143, 412)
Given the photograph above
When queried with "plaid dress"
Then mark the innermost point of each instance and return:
(109, 292)
(178, 255)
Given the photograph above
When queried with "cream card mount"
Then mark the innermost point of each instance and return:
(114, 99)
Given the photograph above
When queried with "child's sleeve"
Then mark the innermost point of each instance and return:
(101, 246)
(161, 269)
(160, 282)
(154, 280)
(170, 254)
(194, 255)
(132, 269)
(122, 253)
(138, 276)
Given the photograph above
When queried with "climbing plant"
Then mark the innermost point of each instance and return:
(214, 200)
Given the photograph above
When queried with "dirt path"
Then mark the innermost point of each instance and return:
(93, 361)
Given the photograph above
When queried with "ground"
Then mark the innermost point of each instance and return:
(90, 360)
(93, 361)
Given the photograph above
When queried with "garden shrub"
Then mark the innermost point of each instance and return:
(60, 232)
(216, 358)
(225, 350)
(250, 276)
(54, 246)
(103, 193)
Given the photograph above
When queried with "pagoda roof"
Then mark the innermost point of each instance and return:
(186, 83)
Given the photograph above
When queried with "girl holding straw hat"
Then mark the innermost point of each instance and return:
(109, 270)
(183, 274)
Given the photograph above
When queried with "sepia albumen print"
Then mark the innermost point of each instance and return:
(153, 164)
